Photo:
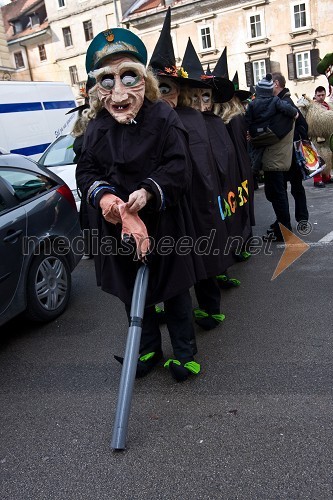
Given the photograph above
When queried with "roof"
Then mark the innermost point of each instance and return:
(15, 10)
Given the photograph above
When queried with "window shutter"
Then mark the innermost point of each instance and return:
(314, 56)
(249, 74)
(268, 65)
(291, 67)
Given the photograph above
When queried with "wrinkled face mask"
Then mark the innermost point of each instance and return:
(121, 87)
(169, 91)
(202, 99)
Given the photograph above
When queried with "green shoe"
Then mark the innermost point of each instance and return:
(207, 321)
(243, 256)
(161, 315)
(180, 371)
(225, 282)
(146, 362)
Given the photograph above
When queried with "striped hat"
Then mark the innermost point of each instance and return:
(265, 86)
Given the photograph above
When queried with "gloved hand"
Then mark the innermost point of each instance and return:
(134, 226)
(116, 211)
(109, 204)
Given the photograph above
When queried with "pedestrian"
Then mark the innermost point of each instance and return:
(271, 123)
(86, 213)
(135, 160)
(294, 174)
(320, 139)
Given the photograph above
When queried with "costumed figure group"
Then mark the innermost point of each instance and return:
(164, 160)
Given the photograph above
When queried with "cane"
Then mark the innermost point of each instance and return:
(130, 359)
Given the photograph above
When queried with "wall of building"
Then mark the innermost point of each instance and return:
(229, 21)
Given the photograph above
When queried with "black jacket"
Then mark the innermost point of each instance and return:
(269, 112)
(153, 153)
(301, 126)
(205, 191)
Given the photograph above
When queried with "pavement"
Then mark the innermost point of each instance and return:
(256, 424)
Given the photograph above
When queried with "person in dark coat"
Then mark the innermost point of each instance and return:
(293, 175)
(234, 195)
(203, 196)
(232, 114)
(136, 150)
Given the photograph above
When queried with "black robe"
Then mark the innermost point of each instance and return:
(152, 153)
(205, 191)
(237, 130)
(235, 185)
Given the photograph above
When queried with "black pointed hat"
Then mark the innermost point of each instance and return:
(208, 71)
(223, 88)
(163, 56)
(243, 95)
(193, 67)
(235, 81)
(163, 61)
(221, 67)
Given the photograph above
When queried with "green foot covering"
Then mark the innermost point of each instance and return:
(145, 364)
(161, 314)
(243, 256)
(225, 282)
(207, 321)
(181, 371)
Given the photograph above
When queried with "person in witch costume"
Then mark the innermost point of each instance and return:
(232, 113)
(135, 159)
(234, 188)
(86, 213)
(203, 196)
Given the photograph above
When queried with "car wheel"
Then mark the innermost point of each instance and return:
(48, 287)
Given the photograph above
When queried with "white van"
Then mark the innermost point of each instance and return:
(33, 114)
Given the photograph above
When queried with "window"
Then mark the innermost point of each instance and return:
(88, 31)
(256, 70)
(206, 37)
(259, 70)
(25, 184)
(61, 4)
(255, 26)
(19, 63)
(73, 75)
(42, 52)
(300, 15)
(67, 36)
(17, 27)
(34, 20)
(303, 66)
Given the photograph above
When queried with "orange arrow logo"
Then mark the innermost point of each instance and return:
(294, 248)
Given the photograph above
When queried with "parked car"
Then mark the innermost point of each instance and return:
(39, 240)
(59, 158)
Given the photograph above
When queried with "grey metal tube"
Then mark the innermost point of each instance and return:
(130, 360)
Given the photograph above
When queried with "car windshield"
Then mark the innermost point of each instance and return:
(59, 153)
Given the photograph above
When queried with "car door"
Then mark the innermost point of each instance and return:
(13, 227)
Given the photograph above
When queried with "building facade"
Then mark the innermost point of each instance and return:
(48, 39)
(261, 36)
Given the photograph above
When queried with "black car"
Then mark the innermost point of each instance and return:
(40, 240)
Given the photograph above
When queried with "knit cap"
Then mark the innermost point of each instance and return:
(264, 87)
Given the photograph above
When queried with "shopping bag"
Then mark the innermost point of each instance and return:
(308, 159)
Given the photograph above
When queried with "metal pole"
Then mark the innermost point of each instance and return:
(130, 360)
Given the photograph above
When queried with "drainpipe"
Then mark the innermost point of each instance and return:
(116, 12)
(26, 54)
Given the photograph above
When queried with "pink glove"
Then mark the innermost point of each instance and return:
(110, 208)
(114, 210)
(133, 226)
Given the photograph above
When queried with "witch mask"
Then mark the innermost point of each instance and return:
(121, 87)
